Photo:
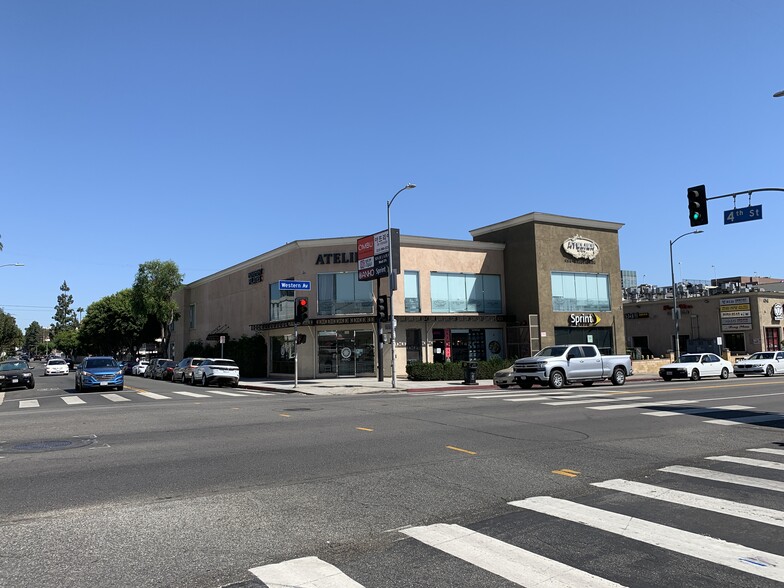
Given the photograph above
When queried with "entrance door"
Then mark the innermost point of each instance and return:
(346, 353)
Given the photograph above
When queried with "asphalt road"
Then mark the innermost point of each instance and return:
(167, 489)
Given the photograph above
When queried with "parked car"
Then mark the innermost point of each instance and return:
(217, 371)
(504, 378)
(16, 374)
(695, 366)
(156, 367)
(164, 369)
(559, 365)
(183, 372)
(98, 372)
(140, 368)
(761, 363)
(55, 367)
(128, 367)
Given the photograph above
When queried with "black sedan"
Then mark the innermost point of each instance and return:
(16, 374)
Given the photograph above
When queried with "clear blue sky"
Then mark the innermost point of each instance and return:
(195, 131)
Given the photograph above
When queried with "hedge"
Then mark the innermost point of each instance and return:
(454, 370)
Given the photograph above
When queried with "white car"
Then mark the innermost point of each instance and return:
(140, 368)
(217, 371)
(56, 367)
(761, 363)
(695, 366)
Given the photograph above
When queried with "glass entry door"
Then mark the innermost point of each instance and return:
(346, 353)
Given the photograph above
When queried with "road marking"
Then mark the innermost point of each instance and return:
(565, 472)
(641, 404)
(527, 399)
(567, 402)
(461, 450)
(257, 393)
(768, 450)
(2, 397)
(763, 418)
(760, 483)
(687, 411)
(506, 395)
(116, 398)
(223, 393)
(759, 463)
(28, 404)
(732, 555)
(191, 394)
(283, 414)
(364, 429)
(153, 395)
(728, 507)
(507, 561)
(73, 400)
(307, 572)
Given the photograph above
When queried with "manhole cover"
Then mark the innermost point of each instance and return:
(41, 445)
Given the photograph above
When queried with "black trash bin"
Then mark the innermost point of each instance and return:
(469, 373)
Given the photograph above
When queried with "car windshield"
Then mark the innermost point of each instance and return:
(556, 351)
(56, 362)
(99, 362)
(12, 365)
(690, 359)
(762, 356)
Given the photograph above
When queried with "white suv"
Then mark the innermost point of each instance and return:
(217, 371)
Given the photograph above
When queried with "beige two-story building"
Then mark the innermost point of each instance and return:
(518, 285)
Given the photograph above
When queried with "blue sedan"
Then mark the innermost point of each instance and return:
(99, 372)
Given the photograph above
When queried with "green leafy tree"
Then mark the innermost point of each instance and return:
(152, 291)
(111, 325)
(64, 316)
(66, 341)
(34, 336)
(10, 334)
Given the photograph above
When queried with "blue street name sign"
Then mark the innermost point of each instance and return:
(294, 285)
(741, 215)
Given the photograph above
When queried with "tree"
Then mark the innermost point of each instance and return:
(111, 325)
(66, 341)
(10, 333)
(64, 316)
(34, 336)
(152, 291)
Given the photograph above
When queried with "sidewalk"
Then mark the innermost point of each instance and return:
(371, 385)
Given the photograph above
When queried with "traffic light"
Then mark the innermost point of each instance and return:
(382, 308)
(698, 206)
(300, 310)
(301, 338)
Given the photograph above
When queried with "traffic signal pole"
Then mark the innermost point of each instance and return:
(379, 334)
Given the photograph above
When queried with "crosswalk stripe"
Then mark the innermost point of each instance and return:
(527, 399)
(768, 450)
(732, 555)
(153, 395)
(728, 507)
(191, 394)
(224, 393)
(759, 463)
(508, 561)
(257, 393)
(642, 404)
(2, 397)
(763, 418)
(593, 400)
(116, 398)
(687, 411)
(760, 483)
(503, 395)
(73, 400)
(28, 404)
(304, 572)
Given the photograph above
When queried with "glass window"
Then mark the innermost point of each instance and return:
(343, 293)
(192, 316)
(465, 293)
(580, 292)
(411, 291)
(281, 303)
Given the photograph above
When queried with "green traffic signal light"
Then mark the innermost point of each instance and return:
(698, 206)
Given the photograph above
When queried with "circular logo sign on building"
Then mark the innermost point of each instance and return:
(778, 312)
(581, 247)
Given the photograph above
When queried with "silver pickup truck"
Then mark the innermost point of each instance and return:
(559, 365)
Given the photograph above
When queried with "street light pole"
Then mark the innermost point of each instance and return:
(392, 279)
(12, 265)
(675, 311)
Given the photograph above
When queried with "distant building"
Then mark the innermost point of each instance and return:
(628, 279)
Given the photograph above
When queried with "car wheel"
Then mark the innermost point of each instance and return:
(204, 379)
(769, 371)
(503, 386)
(557, 379)
(235, 384)
(586, 384)
(31, 385)
(76, 385)
(667, 378)
(526, 384)
(187, 381)
(695, 375)
(618, 377)
(725, 373)
(119, 388)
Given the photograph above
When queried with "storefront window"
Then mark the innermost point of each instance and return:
(192, 316)
(411, 287)
(282, 354)
(343, 293)
(465, 293)
(281, 303)
(574, 292)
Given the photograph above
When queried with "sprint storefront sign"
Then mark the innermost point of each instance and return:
(735, 314)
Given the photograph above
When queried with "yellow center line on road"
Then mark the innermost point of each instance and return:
(283, 414)
(461, 450)
(363, 429)
(567, 473)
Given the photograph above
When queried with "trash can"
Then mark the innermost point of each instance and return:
(469, 372)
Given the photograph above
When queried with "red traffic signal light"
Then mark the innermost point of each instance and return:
(300, 310)
(698, 206)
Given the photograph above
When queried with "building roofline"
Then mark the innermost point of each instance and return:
(549, 219)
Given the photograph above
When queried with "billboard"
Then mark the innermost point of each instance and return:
(373, 253)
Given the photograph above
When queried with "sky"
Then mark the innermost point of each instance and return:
(209, 132)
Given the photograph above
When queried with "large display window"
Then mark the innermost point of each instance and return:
(580, 292)
(343, 293)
